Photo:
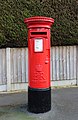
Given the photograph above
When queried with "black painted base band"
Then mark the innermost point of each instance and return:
(39, 100)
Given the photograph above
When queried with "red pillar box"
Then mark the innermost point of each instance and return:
(39, 90)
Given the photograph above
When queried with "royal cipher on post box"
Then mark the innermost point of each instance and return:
(39, 89)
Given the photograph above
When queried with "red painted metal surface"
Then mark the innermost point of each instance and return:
(39, 51)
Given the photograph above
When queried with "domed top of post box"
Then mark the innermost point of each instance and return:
(38, 21)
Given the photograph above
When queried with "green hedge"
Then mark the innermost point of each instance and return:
(13, 32)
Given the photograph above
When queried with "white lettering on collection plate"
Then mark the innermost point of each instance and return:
(38, 45)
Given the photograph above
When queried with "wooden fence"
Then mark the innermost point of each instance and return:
(14, 67)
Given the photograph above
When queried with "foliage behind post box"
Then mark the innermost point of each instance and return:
(13, 32)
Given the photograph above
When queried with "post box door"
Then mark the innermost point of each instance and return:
(39, 62)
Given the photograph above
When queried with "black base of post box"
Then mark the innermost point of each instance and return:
(39, 100)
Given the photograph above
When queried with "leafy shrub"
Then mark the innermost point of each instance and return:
(13, 32)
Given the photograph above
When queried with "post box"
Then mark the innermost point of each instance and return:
(39, 89)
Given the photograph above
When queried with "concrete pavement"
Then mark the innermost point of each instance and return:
(64, 106)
